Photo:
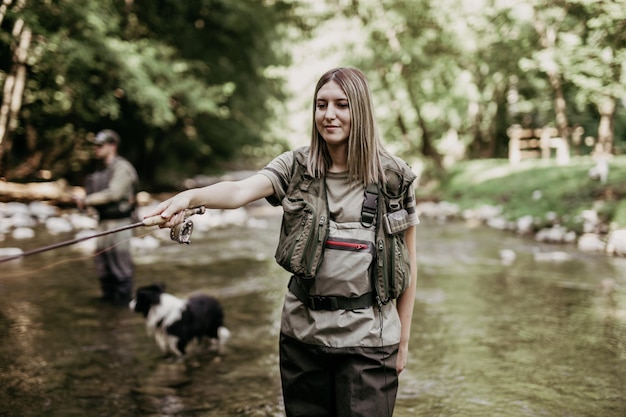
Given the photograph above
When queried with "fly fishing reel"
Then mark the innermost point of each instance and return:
(181, 233)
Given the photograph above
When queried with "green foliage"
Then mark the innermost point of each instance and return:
(194, 85)
(475, 68)
(180, 81)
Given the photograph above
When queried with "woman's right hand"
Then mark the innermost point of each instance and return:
(171, 211)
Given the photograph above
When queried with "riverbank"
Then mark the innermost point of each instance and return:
(559, 204)
(555, 204)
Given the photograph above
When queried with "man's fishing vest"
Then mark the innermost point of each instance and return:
(100, 180)
(304, 235)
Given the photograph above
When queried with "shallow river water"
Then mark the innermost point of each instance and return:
(542, 336)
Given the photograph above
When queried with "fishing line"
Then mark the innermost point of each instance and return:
(73, 258)
(180, 233)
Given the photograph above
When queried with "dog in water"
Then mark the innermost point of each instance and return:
(175, 322)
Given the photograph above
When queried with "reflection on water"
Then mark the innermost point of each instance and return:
(538, 337)
(530, 339)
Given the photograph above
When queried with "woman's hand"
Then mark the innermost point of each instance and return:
(403, 353)
(171, 211)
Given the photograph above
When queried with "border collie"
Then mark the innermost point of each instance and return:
(174, 322)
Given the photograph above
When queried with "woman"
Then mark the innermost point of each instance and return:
(342, 342)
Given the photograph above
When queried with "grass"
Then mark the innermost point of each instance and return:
(536, 187)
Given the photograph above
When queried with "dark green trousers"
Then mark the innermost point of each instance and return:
(319, 381)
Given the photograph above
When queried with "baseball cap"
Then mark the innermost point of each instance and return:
(106, 136)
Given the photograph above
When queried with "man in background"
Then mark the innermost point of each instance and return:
(111, 191)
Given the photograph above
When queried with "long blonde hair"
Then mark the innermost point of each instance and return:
(364, 143)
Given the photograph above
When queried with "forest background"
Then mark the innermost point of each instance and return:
(199, 87)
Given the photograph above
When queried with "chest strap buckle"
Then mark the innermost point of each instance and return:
(370, 205)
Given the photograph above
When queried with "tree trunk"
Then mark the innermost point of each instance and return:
(547, 39)
(428, 149)
(14, 87)
(3, 9)
(475, 114)
(606, 108)
(562, 124)
(57, 192)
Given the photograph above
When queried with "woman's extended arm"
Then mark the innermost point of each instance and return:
(222, 195)
(406, 301)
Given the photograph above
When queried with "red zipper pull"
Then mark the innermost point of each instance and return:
(358, 246)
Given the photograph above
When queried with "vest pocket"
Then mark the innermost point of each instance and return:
(346, 268)
(401, 267)
(300, 245)
(392, 273)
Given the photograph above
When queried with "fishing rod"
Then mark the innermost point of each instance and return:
(180, 233)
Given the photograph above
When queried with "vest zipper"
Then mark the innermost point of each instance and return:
(320, 233)
(313, 247)
(347, 245)
(382, 267)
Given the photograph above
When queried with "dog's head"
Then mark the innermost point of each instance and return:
(146, 297)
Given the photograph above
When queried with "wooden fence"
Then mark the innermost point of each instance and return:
(536, 143)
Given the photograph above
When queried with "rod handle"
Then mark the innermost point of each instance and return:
(158, 220)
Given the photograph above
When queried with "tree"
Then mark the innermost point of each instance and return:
(181, 81)
(596, 58)
(15, 79)
(475, 68)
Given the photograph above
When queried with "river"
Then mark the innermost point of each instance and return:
(541, 335)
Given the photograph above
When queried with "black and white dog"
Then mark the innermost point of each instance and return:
(175, 322)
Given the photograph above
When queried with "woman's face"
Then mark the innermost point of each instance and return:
(332, 114)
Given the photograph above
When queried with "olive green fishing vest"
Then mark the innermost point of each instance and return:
(305, 226)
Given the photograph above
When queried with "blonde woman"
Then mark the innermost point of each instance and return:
(346, 316)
